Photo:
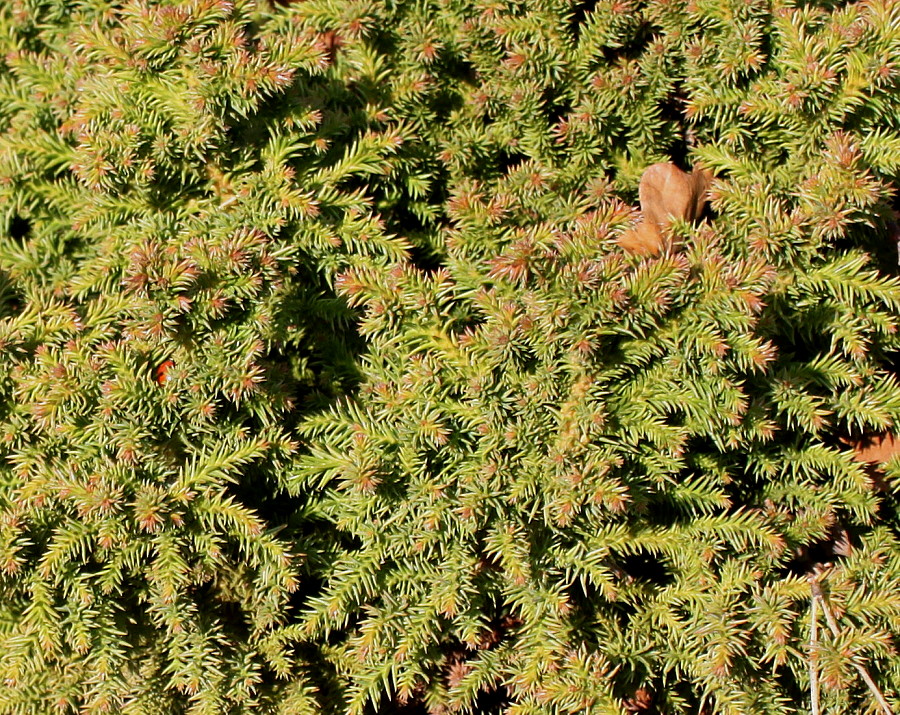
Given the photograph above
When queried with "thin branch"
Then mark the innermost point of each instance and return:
(836, 631)
(813, 653)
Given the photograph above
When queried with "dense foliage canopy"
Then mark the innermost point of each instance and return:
(331, 384)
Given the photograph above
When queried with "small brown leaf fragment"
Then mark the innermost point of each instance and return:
(161, 371)
(875, 448)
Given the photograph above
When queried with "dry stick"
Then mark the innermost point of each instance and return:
(833, 626)
(813, 654)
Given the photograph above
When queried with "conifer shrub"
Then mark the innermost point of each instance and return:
(580, 480)
(555, 476)
(179, 183)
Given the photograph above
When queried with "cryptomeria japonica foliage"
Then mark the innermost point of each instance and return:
(581, 477)
(179, 182)
(562, 472)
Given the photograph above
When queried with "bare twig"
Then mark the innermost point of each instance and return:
(836, 631)
(813, 654)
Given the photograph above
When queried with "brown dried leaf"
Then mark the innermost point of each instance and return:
(645, 239)
(667, 194)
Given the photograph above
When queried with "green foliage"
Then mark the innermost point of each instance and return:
(560, 478)
(178, 194)
(577, 480)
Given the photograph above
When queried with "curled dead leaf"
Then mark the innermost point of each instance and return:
(666, 194)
